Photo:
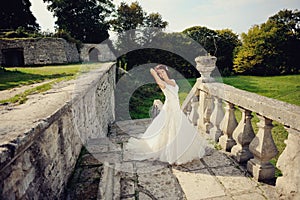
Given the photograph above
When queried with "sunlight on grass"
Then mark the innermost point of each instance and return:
(283, 88)
(18, 76)
(13, 77)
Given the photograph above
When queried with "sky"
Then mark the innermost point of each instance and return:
(237, 15)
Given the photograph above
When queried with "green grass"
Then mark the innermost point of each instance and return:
(284, 88)
(18, 76)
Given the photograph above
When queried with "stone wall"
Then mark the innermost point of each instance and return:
(42, 51)
(40, 140)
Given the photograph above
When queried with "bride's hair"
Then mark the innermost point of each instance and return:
(164, 67)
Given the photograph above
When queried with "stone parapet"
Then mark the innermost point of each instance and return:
(40, 140)
(276, 110)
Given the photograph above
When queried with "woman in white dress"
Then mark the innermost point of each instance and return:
(170, 137)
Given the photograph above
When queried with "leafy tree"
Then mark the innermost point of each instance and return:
(272, 47)
(134, 26)
(128, 17)
(15, 14)
(220, 43)
(204, 36)
(85, 20)
(136, 29)
(289, 22)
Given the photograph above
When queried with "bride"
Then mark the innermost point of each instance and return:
(170, 137)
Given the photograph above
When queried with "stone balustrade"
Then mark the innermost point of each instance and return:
(204, 106)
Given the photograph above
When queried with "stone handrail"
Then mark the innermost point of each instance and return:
(204, 107)
(285, 113)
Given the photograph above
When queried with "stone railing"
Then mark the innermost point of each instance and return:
(204, 106)
(40, 140)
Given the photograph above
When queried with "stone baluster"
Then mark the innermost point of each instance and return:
(228, 125)
(204, 110)
(194, 116)
(156, 107)
(216, 118)
(188, 109)
(243, 135)
(263, 149)
(289, 164)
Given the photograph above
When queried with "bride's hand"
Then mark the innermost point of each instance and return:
(152, 71)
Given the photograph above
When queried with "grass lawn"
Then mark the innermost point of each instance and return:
(284, 88)
(18, 76)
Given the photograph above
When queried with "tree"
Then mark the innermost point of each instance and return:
(134, 26)
(85, 20)
(220, 43)
(135, 29)
(15, 14)
(204, 36)
(128, 17)
(289, 21)
(272, 47)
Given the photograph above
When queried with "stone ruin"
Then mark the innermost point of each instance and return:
(48, 51)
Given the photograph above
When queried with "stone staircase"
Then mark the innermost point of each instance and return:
(103, 171)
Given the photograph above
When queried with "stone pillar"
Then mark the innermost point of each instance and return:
(289, 164)
(228, 125)
(205, 65)
(263, 149)
(243, 135)
(216, 118)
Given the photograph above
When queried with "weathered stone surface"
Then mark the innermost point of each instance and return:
(191, 166)
(234, 180)
(156, 183)
(249, 196)
(217, 159)
(199, 184)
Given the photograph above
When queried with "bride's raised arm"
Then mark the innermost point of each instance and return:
(157, 79)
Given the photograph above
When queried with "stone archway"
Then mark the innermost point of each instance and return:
(96, 53)
(93, 55)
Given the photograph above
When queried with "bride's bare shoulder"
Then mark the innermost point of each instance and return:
(172, 82)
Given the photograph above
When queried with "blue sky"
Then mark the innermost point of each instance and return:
(237, 15)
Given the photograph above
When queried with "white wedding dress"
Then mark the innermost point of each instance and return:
(170, 137)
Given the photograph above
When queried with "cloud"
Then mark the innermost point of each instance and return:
(44, 17)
